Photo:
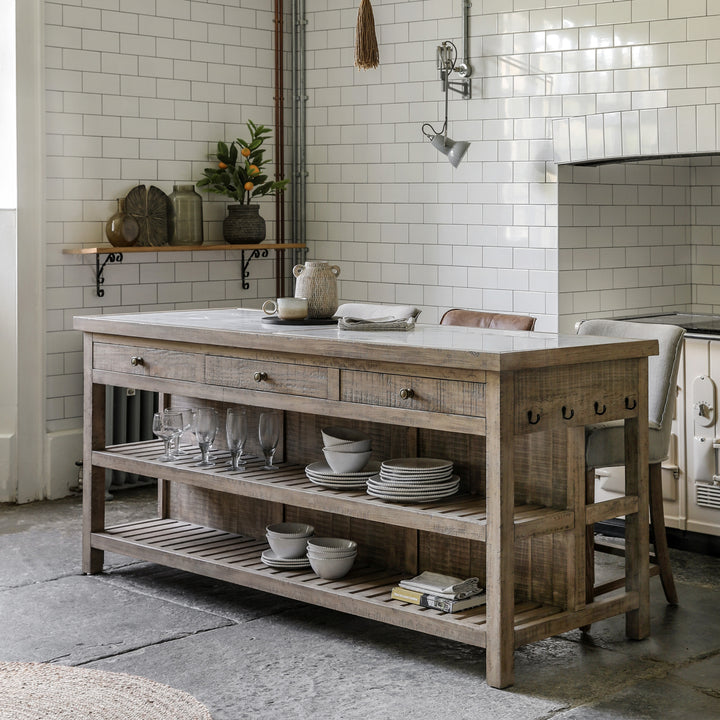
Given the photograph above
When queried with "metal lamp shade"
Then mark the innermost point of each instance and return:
(455, 150)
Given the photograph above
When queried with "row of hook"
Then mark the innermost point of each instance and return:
(571, 414)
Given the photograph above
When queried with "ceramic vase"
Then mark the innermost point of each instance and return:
(317, 281)
(244, 225)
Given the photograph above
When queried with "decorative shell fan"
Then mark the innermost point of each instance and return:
(150, 209)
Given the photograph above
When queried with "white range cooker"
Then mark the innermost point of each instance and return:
(691, 475)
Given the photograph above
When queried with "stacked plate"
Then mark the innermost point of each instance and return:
(321, 473)
(414, 480)
(269, 557)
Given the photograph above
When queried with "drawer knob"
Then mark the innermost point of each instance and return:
(260, 376)
(407, 393)
(136, 360)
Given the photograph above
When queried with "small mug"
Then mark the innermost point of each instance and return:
(287, 308)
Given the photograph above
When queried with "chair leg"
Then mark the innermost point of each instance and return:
(657, 522)
(589, 543)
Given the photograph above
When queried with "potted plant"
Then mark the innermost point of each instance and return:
(239, 175)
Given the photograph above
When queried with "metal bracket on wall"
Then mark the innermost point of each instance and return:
(254, 254)
(99, 279)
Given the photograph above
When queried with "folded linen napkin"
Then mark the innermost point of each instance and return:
(446, 586)
(372, 316)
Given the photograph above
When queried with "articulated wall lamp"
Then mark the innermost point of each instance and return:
(454, 149)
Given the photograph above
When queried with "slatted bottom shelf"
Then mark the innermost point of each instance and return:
(461, 515)
(365, 591)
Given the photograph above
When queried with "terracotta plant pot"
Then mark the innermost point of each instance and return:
(244, 225)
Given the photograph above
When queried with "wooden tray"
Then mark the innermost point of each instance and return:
(271, 320)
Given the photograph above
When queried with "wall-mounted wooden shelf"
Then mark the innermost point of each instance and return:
(115, 255)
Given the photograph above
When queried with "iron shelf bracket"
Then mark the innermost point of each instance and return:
(99, 268)
(245, 274)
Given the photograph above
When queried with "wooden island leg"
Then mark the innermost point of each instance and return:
(93, 477)
(500, 532)
(637, 525)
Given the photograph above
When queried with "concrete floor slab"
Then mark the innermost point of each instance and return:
(650, 700)
(232, 602)
(74, 620)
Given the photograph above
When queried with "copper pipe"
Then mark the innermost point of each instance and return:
(279, 150)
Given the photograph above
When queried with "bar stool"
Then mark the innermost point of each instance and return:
(478, 318)
(604, 446)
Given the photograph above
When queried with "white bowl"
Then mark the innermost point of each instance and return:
(287, 547)
(331, 568)
(328, 544)
(336, 435)
(354, 446)
(290, 530)
(346, 462)
(320, 554)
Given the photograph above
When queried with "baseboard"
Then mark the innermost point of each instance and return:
(678, 539)
(63, 449)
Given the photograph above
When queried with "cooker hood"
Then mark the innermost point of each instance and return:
(634, 135)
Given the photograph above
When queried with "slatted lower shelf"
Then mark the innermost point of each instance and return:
(234, 558)
(462, 516)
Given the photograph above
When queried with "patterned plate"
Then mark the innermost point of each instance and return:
(321, 470)
(270, 559)
(411, 487)
(414, 465)
(425, 497)
(339, 484)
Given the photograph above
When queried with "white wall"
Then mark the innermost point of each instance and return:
(140, 91)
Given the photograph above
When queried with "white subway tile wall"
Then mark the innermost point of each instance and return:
(137, 89)
(140, 92)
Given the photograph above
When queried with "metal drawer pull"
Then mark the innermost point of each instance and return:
(259, 376)
(407, 393)
(565, 415)
(136, 360)
(598, 411)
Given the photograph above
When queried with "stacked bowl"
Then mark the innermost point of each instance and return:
(288, 545)
(346, 450)
(331, 558)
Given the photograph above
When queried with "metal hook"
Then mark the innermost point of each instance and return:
(599, 412)
(627, 403)
(530, 420)
(567, 417)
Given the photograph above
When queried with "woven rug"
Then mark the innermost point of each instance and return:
(37, 691)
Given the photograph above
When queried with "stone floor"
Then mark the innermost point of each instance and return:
(248, 655)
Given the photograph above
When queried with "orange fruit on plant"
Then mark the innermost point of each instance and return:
(222, 165)
(254, 170)
(248, 186)
(245, 152)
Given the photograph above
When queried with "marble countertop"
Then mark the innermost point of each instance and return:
(456, 346)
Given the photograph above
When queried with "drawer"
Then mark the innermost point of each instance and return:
(434, 395)
(150, 362)
(267, 376)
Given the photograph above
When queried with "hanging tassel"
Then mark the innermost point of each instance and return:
(367, 55)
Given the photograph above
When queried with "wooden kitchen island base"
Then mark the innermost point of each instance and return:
(509, 408)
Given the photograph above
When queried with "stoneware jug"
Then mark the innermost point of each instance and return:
(317, 281)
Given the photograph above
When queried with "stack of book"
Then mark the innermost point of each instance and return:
(441, 592)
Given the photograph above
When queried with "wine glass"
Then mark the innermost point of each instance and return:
(236, 434)
(205, 427)
(167, 426)
(269, 435)
(187, 416)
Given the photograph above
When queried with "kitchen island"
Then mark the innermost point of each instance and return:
(508, 408)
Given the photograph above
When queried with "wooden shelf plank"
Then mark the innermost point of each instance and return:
(364, 591)
(108, 249)
(459, 515)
